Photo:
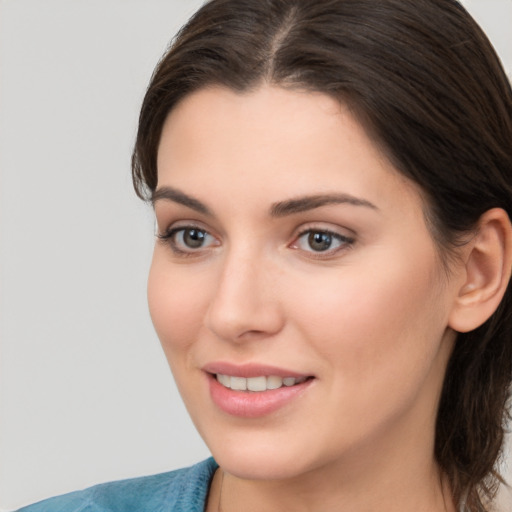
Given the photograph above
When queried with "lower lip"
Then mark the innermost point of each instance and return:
(251, 404)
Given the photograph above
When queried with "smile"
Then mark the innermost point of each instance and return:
(257, 384)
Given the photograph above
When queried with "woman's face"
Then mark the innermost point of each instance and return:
(294, 260)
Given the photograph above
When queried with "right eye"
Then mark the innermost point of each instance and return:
(188, 239)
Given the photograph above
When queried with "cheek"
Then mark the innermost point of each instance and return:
(378, 335)
(175, 305)
(377, 319)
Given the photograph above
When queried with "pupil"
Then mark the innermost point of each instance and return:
(320, 241)
(193, 238)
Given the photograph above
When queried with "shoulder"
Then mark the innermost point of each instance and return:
(183, 490)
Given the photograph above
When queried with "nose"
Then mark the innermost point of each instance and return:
(245, 305)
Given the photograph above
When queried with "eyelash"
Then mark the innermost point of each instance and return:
(345, 242)
(169, 238)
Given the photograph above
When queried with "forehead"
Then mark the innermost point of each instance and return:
(270, 113)
(273, 141)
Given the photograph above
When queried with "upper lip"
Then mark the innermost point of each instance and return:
(249, 370)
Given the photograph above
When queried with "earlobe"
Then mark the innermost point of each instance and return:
(488, 265)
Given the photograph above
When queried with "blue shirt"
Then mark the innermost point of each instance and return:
(183, 490)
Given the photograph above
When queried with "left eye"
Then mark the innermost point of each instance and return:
(321, 241)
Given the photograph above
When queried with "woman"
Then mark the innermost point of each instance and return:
(330, 282)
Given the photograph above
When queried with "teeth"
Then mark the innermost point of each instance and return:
(238, 383)
(225, 380)
(274, 382)
(257, 383)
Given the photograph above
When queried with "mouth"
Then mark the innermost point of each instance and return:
(254, 390)
(258, 384)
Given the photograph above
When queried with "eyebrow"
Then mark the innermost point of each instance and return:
(302, 204)
(279, 209)
(175, 195)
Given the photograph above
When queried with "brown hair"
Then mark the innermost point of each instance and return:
(427, 85)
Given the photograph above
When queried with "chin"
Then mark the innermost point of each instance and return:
(272, 458)
(259, 465)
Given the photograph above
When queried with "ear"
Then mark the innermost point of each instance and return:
(488, 263)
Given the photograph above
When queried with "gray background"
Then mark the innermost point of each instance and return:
(85, 392)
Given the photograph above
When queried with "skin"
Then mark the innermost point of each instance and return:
(369, 319)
